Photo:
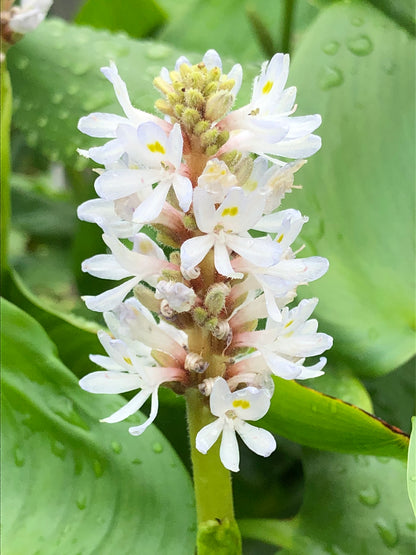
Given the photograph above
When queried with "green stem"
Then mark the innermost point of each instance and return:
(287, 25)
(6, 114)
(217, 529)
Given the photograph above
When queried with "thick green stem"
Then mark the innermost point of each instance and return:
(217, 529)
(6, 114)
(287, 25)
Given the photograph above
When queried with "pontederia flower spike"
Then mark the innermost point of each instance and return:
(191, 177)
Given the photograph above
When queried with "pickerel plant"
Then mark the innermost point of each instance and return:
(204, 178)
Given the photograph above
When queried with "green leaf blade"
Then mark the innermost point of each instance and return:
(75, 485)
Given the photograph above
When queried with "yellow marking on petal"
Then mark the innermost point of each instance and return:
(128, 360)
(156, 147)
(289, 323)
(250, 185)
(280, 238)
(267, 87)
(230, 211)
(145, 247)
(241, 403)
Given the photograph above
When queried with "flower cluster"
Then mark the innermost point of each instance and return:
(209, 182)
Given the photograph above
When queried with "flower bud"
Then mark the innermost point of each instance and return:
(218, 105)
(195, 363)
(215, 297)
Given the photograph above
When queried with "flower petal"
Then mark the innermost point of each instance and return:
(138, 430)
(111, 298)
(195, 249)
(258, 440)
(110, 382)
(208, 435)
(104, 266)
(130, 408)
(229, 454)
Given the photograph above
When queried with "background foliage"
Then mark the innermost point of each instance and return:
(337, 484)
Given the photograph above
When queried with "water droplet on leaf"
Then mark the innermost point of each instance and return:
(357, 21)
(136, 461)
(32, 138)
(369, 496)
(19, 459)
(158, 51)
(388, 532)
(98, 468)
(58, 449)
(331, 47)
(73, 89)
(63, 114)
(81, 502)
(157, 447)
(22, 63)
(116, 447)
(330, 77)
(80, 68)
(57, 98)
(389, 67)
(42, 121)
(360, 46)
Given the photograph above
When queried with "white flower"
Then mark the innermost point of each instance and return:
(105, 125)
(232, 410)
(179, 297)
(279, 280)
(225, 229)
(125, 372)
(145, 261)
(28, 15)
(272, 182)
(103, 213)
(217, 179)
(264, 126)
(284, 345)
(153, 157)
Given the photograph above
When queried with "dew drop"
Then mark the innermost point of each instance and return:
(22, 63)
(57, 98)
(58, 449)
(411, 526)
(136, 461)
(158, 52)
(63, 114)
(314, 408)
(360, 45)
(388, 532)
(32, 138)
(42, 121)
(383, 460)
(81, 501)
(67, 412)
(78, 466)
(389, 67)
(80, 68)
(73, 89)
(19, 459)
(369, 496)
(331, 47)
(157, 447)
(413, 478)
(98, 468)
(116, 447)
(357, 21)
(96, 101)
(331, 77)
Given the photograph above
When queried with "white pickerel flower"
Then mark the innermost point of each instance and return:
(265, 126)
(285, 345)
(143, 262)
(226, 229)
(153, 157)
(232, 410)
(125, 372)
(28, 15)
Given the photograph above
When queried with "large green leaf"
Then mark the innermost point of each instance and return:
(61, 62)
(73, 485)
(74, 337)
(355, 67)
(317, 420)
(138, 18)
(353, 504)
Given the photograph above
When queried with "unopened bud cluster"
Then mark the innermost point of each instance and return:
(204, 178)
